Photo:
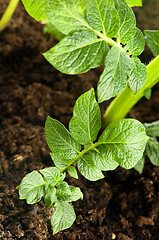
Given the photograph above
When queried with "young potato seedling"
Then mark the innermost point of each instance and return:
(94, 32)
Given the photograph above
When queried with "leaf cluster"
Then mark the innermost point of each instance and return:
(49, 184)
(95, 32)
(121, 143)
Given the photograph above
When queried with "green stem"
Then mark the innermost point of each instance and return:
(123, 103)
(8, 14)
(103, 36)
(80, 154)
(108, 40)
(93, 146)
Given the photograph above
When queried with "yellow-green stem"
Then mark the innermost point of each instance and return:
(80, 154)
(123, 103)
(8, 14)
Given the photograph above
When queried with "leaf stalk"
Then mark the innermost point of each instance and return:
(8, 14)
(92, 147)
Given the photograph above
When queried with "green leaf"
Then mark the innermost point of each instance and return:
(138, 75)
(148, 93)
(152, 129)
(72, 171)
(140, 165)
(137, 44)
(102, 16)
(86, 121)
(68, 193)
(60, 140)
(52, 175)
(59, 162)
(88, 169)
(102, 161)
(36, 9)
(32, 187)
(114, 78)
(134, 3)
(124, 141)
(76, 194)
(152, 40)
(63, 217)
(49, 28)
(50, 195)
(152, 150)
(77, 53)
(66, 15)
(127, 21)
(62, 190)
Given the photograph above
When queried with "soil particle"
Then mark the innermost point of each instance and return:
(122, 236)
(145, 221)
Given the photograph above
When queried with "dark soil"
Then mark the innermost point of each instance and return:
(124, 205)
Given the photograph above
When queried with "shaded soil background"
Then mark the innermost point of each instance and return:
(124, 205)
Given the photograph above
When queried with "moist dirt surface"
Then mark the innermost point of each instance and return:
(124, 205)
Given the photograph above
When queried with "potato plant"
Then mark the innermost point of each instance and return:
(94, 32)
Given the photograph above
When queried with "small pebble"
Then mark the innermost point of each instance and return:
(113, 236)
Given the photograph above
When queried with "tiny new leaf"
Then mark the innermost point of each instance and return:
(152, 40)
(76, 194)
(68, 193)
(86, 121)
(52, 175)
(140, 165)
(50, 195)
(148, 93)
(63, 190)
(63, 217)
(152, 129)
(72, 171)
(152, 150)
(152, 147)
